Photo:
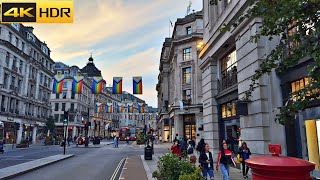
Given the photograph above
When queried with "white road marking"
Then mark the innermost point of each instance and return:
(117, 170)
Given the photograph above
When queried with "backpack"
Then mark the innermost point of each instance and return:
(190, 150)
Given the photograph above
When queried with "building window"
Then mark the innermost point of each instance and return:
(56, 106)
(57, 96)
(65, 84)
(186, 95)
(66, 74)
(7, 59)
(19, 85)
(228, 109)
(20, 67)
(189, 124)
(10, 37)
(189, 30)
(72, 107)
(17, 42)
(64, 95)
(22, 46)
(63, 107)
(56, 117)
(301, 84)
(229, 62)
(187, 54)
(72, 96)
(59, 72)
(186, 74)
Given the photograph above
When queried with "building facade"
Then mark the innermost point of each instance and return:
(26, 72)
(81, 107)
(179, 81)
(152, 123)
(227, 61)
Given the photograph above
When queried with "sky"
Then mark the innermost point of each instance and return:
(125, 38)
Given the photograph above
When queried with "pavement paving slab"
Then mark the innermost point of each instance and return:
(16, 170)
(133, 169)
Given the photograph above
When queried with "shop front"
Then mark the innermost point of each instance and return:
(189, 126)
(230, 125)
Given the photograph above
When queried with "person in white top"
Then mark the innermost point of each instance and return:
(160, 139)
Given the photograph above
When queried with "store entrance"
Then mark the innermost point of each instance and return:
(232, 133)
(189, 126)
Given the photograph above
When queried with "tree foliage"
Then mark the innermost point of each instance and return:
(296, 23)
(50, 124)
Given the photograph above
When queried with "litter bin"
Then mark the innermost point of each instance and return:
(148, 153)
(96, 140)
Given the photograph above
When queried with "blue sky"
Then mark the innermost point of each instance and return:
(124, 36)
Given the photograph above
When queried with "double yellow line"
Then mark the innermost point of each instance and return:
(114, 175)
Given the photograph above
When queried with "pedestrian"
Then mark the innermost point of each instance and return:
(200, 145)
(244, 153)
(206, 162)
(193, 143)
(190, 149)
(75, 138)
(168, 138)
(160, 139)
(225, 158)
(175, 139)
(175, 149)
(115, 142)
(183, 147)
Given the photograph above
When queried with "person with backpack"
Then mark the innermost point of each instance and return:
(190, 149)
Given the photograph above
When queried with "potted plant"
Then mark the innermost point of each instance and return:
(23, 144)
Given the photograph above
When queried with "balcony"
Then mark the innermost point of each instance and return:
(45, 85)
(228, 79)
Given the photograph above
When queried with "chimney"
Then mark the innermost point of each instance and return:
(30, 28)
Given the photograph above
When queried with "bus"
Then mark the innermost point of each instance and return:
(127, 132)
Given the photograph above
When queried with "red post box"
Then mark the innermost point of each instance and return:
(276, 168)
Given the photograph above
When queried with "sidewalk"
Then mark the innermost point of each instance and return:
(151, 165)
(16, 170)
(133, 169)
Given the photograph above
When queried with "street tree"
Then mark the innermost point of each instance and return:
(50, 126)
(297, 24)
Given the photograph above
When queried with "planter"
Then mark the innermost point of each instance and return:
(21, 145)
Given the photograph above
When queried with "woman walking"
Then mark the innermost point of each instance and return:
(225, 158)
(244, 153)
(206, 162)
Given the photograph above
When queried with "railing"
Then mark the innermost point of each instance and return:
(228, 79)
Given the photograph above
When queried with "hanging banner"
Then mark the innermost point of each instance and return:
(117, 85)
(77, 85)
(119, 108)
(98, 107)
(136, 117)
(150, 116)
(142, 117)
(106, 126)
(137, 85)
(130, 107)
(157, 116)
(57, 84)
(97, 85)
(130, 116)
(141, 107)
(109, 108)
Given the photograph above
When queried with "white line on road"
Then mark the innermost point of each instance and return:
(114, 175)
(123, 168)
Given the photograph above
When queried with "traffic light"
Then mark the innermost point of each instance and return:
(17, 126)
(65, 116)
(89, 125)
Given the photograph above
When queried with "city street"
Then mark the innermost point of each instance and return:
(88, 163)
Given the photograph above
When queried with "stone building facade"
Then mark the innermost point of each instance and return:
(26, 72)
(227, 61)
(179, 81)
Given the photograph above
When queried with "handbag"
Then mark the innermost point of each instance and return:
(239, 159)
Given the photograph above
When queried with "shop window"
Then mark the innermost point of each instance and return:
(228, 110)
(300, 84)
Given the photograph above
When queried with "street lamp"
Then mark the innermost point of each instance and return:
(200, 45)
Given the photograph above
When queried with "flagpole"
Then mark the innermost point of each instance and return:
(169, 27)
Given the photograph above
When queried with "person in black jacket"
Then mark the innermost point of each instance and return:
(206, 162)
(244, 153)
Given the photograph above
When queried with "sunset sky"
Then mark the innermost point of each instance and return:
(124, 36)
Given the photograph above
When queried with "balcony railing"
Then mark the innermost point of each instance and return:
(228, 79)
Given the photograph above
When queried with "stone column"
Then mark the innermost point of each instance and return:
(34, 135)
(74, 131)
(19, 134)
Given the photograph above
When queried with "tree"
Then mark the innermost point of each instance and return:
(50, 124)
(297, 23)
